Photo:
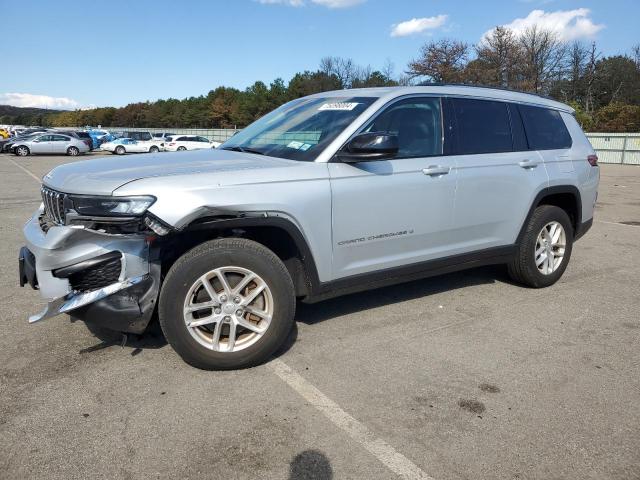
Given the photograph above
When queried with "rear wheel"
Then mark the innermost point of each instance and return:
(22, 151)
(182, 149)
(73, 151)
(226, 304)
(154, 149)
(545, 249)
(120, 150)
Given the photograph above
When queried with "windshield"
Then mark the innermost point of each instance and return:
(300, 129)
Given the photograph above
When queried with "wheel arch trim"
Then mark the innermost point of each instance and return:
(546, 192)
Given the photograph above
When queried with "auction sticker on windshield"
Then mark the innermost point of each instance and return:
(347, 106)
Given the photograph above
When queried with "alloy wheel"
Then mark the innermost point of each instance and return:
(550, 247)
(228, 309)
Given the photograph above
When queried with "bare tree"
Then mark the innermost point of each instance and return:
(590, 78)
(499, 55)
(578, 57)
(441, 61)
(635, 52)
(543, 58)
(343, 68)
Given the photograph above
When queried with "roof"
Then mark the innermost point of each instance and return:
(458, 90)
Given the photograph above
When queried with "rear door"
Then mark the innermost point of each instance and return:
(548, 135)
(396, 212)
(59, 143)
(498, 176)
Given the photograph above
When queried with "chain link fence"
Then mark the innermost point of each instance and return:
(621, 148)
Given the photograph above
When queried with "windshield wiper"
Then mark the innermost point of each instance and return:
(244, 150)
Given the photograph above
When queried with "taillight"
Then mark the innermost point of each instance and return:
(593, 160)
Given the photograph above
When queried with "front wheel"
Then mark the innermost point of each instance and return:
(154, 149)
(73, 151)
(226, 304)
(182, 149)
(22, 151)
(545, 249)
(120, 150)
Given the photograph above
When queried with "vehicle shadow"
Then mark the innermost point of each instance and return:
(310, 314)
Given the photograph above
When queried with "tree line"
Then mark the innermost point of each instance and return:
(604, 90)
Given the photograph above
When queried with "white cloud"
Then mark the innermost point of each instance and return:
(417, 25)
(324, 3)
(338, 3)
(568, 24)
(37, 101)
(291, 3)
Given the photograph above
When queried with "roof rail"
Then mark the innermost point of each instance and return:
(475, 85)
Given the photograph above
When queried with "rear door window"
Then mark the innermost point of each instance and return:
(483, 126)
(545, 128)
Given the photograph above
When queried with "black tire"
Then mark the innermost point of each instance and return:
(120, 150)
(182, 149)
(154, 149)
(218, 253)
(21, 151)
(523, 267)
(73, 151)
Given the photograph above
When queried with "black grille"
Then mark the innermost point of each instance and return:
(53, 205)
(97, 276)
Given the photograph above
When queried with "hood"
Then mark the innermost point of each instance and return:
(103, 175)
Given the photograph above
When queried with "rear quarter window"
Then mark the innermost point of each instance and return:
(545, 128)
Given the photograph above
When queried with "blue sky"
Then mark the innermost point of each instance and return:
(78, 53)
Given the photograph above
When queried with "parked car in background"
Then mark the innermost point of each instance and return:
(98, 137)
(86, 138)
(50, 143)
(121, 146)
(6, 144)
(188, 142)
(140, 136)
(162, 136)
(4, 133)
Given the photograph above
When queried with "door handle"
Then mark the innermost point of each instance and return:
(436, 170)
(528, 163)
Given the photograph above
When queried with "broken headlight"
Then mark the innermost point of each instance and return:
(90, 206)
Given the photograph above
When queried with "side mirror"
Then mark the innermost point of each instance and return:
(369, 147)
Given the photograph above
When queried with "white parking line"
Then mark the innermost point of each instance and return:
(617, 223)
(25, 170)
(392, 459)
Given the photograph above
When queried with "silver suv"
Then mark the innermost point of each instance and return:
(328, 194)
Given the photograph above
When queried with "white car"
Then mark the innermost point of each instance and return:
(121, 146)
(188, 142)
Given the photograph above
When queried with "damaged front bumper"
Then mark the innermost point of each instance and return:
(111, 280)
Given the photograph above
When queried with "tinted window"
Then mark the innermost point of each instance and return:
(416, 122)
(202, 139)
(83, 135)
(545, 128)
(60, 138)
(483, 126)
(182, 139)
(44, 138)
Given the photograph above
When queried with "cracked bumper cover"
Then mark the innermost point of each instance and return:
(125, 305)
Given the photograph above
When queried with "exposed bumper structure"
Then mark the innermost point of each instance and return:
(71, 301)
(100, 278)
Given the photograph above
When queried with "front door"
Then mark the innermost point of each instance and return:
(395, 212)
(42, 144)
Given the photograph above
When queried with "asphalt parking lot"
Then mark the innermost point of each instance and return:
(463, 376)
